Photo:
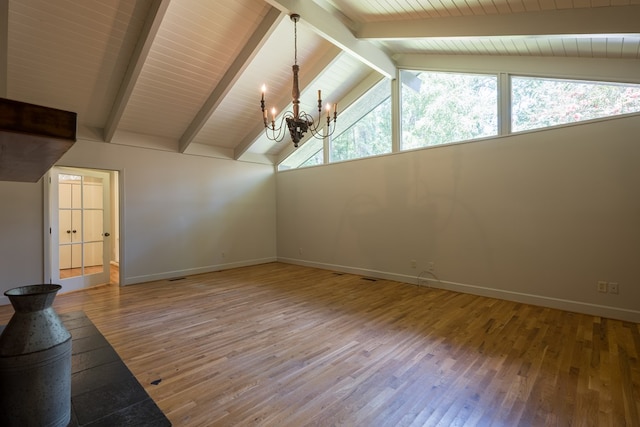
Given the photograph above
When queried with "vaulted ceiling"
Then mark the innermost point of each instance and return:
(185, 75)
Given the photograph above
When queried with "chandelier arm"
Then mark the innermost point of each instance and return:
(274, 133)
(331, 128)
(317, 128)
(276, 136)
(317, 131)
(312, 124)
(280, 121)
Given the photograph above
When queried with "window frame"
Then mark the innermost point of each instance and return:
(573, 69)
(354, 123)
(498, 107)
(576, 80)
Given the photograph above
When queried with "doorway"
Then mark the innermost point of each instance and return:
(81, 210)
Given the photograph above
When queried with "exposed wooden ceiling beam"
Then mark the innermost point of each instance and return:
(249, 51)
(334, 31)
(155, 16)
(599, 20)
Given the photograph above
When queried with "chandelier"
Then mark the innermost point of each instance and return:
(298, 122)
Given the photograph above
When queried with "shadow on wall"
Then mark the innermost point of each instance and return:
(419, 216)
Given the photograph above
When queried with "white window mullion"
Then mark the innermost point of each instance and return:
(396, 114)
(504, 104)
(326, 150)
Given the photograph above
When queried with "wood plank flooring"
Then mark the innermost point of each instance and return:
(284, 345)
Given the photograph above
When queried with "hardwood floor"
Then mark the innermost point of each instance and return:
(114, 272)
(283, 345)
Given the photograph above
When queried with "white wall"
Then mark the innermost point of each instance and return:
(180, 214)
(21, 222)
(537, 217)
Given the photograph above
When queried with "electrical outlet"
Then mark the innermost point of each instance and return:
(300, 250)
(613, 288)
(602, 286)
(413, 263)
(431, 266)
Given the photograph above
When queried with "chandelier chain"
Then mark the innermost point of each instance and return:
(295, 42)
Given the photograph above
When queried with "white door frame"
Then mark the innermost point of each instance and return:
(51, 245)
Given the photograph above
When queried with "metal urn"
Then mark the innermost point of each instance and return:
(35, 361)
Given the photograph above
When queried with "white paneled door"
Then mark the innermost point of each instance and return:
(79, 222)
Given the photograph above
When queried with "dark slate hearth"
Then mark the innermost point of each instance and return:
(104, 392)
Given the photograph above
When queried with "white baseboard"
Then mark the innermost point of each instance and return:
(191, 271)
(174, 274)
(540, 300)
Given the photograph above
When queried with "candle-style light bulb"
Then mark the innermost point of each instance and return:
(328, 107)
(264, 89)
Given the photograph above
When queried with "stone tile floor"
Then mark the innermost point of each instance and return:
(104, 392)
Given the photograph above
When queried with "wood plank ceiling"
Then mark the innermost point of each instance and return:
(185, 75)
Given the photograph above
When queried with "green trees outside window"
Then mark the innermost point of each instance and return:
(365, 127)
(538, 102)
(438, 108)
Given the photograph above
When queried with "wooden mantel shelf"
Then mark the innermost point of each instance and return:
(32, 139)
